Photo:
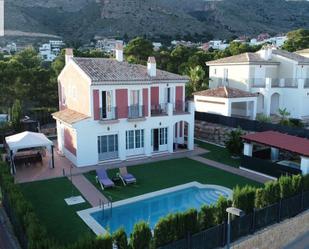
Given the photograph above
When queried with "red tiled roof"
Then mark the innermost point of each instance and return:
(225, 92)
(280, 141)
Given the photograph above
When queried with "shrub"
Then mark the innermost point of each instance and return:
(286, 188)
(306, 182)
(120, 239)
(244, 198)
(221, 206)
(272, 192)
(263, 118)
(297, 183)
(104, 242)
(234, 142)
(163, 234)
(260, 198)
(141, 236)
(190, 221)
(207, 217)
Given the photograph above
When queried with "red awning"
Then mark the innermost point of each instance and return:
(280, 141)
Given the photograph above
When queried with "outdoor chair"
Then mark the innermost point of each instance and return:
(103, 179)
(125, 177)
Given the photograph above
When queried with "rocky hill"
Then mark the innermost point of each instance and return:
(84, 19)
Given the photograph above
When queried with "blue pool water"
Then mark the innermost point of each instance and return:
(153, 208)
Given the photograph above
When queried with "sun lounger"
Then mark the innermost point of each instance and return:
(103, 179)
(125, 176)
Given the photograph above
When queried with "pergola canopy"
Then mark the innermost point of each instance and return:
(26, 140)
(280, 141)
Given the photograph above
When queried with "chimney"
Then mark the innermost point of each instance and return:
(119, 52)
(152, 66)
(264, 52)
(269, 52)
(68, 55)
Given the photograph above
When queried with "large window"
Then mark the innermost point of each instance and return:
(134, 139)
(108, 146)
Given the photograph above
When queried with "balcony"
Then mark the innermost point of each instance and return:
(159, 110)
(306, 83)
(108, 114)
(181, 107)
(136, 112)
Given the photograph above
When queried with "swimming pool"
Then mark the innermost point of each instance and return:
(152, 206)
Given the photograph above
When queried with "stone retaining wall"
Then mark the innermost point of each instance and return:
(214, 133)
(276, 236)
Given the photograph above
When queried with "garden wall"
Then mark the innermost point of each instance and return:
(277, 235)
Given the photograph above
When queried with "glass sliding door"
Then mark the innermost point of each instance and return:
(134, 142)
(108, 147)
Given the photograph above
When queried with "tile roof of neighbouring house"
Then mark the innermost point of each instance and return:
(245, 58)
(102, 70)
(293, 56)
(225, 92)
(281, 141)
(69, 116)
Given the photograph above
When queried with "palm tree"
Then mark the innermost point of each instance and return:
(197, 75)
(284, 114)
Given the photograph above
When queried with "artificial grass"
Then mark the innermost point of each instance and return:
(61, 221)
(219, 154)
(159, 175)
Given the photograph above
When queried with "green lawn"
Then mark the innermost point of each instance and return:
(218, 154)
(164, 174)
(60, 220)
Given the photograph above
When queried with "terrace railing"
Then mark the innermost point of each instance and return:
(136, 111)
(160, 109)
(181, 107)
(109, 113)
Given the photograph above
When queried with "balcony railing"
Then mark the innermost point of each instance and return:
(136, 111)
(109, 113)
(181, 107)
(306, 83)
(160, 109)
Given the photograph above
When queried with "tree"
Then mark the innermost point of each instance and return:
(284, 114)
(138, 50)
(16, 115)
(197, 75)
(297, 40)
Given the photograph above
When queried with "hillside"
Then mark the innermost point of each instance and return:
(84, 19)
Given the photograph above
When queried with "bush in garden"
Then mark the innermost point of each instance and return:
(163, 234)
(207, 217)
(190, 221)
(297, 181)
(272, 192)
(221, 206)
(260, 198)
(306, 182)
(286, 188)
(234, 142)
(120, 239)
(244, 198)
(104, 242)
(141, 236)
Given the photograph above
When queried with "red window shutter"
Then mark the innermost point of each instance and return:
(179, 93)
(122, 103)
(145, 101)
(155, 96)
(96, 104)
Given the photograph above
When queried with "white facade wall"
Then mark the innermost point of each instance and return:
(87, 133)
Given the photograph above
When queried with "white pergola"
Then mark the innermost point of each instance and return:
(28, 140)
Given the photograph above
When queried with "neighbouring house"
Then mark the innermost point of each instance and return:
(226, 101)
(49, 51)
(107, 45)
(279, 78)
(113, 110)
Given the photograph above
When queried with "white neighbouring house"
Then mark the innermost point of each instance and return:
(113, 110)
(279, 78)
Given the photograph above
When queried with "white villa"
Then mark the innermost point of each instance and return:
(279, 79)
(113, 110)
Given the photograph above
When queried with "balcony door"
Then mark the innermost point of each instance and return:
(107, 111)
(134, 109)
(108, 147)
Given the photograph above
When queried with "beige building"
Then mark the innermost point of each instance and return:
(279, 78)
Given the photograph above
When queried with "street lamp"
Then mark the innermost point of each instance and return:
(233, 211)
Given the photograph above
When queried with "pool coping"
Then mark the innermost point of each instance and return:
(98, 229)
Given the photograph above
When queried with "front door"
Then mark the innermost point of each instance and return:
(155, 139)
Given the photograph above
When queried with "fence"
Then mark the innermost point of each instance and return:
(267, 167)
(242, 226)
(250, 125)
